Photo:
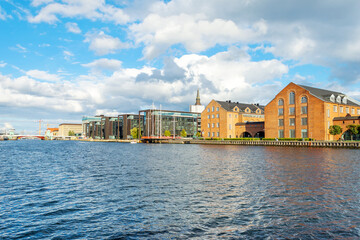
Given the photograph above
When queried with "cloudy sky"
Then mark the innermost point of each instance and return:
(63, 59)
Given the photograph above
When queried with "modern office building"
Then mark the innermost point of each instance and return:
(226, 119)
(157, 121)
(300, 111)
(104, 127)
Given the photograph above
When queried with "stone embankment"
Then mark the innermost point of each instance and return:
(333, 144)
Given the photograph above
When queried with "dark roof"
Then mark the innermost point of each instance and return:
(229, 106)
(346, 118)
(325, 95)
(249, 123)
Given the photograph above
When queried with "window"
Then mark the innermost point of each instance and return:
(213, 134)
(208, 109)
(341, 109)
(328, 112)
(304, 121)
(208, 125)
(235, 116)
(347, 110)
(217, 109)
(344, 100)
(213, 108)
(281, 133)
(281, 111)
(332, 98)
(304, 110)
(208, 116)
(229, 126)
(358, 112)
(292, 133)
(213, 116)
(292, 121)
(304, 99)
(229, 136)
(213, 125)
(218, 134)
(352, 111)
(291, 111)
(304, 133)
(335, 108)
(281, 102)
(217, 115)
(208, 134)
(229, 115)
(338, 99)
(217, 124)
(281, 122)
(292, 98)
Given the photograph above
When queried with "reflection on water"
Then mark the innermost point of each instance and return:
(75, 190)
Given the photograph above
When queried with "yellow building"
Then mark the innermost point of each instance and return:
(222, 119)
(64, 129)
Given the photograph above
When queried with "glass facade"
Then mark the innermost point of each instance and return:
(157, 122)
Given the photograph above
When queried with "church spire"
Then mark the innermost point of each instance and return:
(198, 98)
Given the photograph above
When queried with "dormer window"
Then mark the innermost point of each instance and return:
(338, 99)
(236, 109)
(344, 100)
(332, 98)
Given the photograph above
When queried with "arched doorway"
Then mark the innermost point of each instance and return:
(347, 136)
(259, 134)
(246, 135)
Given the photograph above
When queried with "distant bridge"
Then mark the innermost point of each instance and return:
(28, 137)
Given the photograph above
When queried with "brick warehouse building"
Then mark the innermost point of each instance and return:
(300, 111)
(224, 119)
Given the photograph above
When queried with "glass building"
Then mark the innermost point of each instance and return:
(103, 127)
(156, 122)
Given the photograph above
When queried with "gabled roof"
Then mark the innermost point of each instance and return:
(325, 95)
(229, 106)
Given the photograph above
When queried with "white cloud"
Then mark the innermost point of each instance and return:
(89, 9)
(103, 44)
(3, 64)
(37, 3)
(196, 33)
(3, 14)
(42, 75)
(73, 27)
(104, 64)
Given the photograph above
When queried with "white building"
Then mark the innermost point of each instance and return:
(197, 108)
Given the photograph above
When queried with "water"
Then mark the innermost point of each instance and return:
(89, 190)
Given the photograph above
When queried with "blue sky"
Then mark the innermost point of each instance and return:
(63, 59)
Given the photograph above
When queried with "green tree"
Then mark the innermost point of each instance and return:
(335, 130)
(135, 133)
(167, 133)
(183, 133)
(71, 133)
(198, 134)
(353, 129)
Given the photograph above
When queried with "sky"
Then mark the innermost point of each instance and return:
(61, 60)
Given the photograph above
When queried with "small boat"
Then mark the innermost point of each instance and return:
(133, 142)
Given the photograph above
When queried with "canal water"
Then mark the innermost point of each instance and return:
(91, 190)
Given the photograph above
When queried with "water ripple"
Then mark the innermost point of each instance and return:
(80, 190)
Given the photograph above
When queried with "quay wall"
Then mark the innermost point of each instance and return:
(332, 144)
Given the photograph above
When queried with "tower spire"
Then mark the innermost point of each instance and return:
(198, 98)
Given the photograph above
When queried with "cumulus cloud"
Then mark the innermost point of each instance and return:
(42, 75)
(37, 3)
(195, 32)
(104, 64)
(73, 27)
(103, 44)
(89, 9)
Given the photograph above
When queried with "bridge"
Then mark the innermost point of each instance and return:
(17, 137)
